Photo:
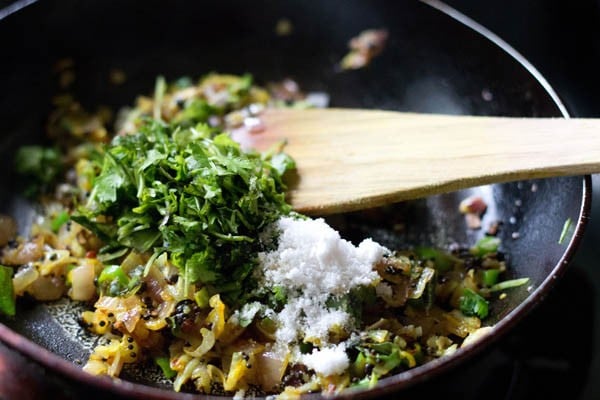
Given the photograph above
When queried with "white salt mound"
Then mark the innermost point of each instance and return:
(313, 263)
(312, 256)
(327, 361)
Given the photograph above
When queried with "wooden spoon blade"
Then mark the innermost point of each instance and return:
(351, 159)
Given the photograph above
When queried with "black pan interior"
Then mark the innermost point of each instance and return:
(432, 63)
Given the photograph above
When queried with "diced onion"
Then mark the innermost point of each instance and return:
(47, 288)
(24, 277)
(127, 311)
(82, 282)
(208, 341)
(164, 309)
(25, 253)
(272, 366)
(54, 260)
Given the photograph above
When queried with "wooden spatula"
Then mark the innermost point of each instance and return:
(350, 159)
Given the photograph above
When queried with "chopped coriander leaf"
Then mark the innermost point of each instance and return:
(40, 165)
(248, 312)
(306, 347)
(472, 304)
(282, 162)
(203, 200)
(201, 297)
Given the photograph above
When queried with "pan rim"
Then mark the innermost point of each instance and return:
(65, 368)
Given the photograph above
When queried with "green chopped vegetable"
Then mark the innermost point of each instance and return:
(58, 221)
(306, 347)
(367, 382)
(196, 111)
(202, 297)
(165, 366)
(442, 260)
(7, 295)
(512, 283)
(472, 304)
(203, 201)
(485, 245)
(40, 166)
(377, 358)
(282, 162)
(489, 277)
(248, 312)
(113, 280)
(378, 335)
(565, 231)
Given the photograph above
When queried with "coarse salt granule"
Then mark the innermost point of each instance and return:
(309, 318)
(312, 256)
(314, 263)
(331, 360)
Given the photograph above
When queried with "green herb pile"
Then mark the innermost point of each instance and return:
(177, 190)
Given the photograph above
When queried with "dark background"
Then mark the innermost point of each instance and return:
(561, 38)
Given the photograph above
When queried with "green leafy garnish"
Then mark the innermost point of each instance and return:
(377, 358)
(202, 298)
(248, 312)
(201, 200)
(353, 302)
(40, 165)
(472, 304)
(7, 295)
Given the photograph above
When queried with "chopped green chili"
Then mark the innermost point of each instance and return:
(472, 304)
(565, 230)
(489, 277)
(512, 283)
(7, 295)
(58, 221)
(165, 366)
(485, 245)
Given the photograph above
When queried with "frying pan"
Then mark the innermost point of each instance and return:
(436, 60)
